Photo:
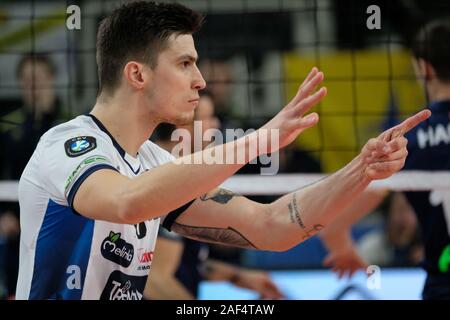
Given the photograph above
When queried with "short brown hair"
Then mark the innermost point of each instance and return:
(433, 45)
(139, 31)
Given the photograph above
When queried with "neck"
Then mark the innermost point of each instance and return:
(439, 91)
(125, 120)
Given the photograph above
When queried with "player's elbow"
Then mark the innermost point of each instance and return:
(125, 212)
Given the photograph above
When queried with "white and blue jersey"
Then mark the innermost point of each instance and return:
(429, 150)
(64, 255)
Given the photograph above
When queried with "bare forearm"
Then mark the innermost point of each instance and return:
(284, 223)
(363, 204)
(301, 214)
(170, 186)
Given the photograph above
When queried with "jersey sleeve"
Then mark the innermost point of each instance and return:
(68, 159)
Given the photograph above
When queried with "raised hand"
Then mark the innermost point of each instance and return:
(387, 153)
(290, 121)
(345, 261)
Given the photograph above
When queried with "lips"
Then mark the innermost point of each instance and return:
(194, 102)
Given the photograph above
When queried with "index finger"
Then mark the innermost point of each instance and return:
(410, 123)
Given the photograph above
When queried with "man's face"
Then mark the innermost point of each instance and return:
(205, 114)
(175, 82)
(36, 82)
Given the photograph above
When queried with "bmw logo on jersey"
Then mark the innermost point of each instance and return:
(80, 145)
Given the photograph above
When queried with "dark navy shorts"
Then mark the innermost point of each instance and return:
(437, 287)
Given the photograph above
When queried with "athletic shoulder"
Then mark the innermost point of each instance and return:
(67, 154)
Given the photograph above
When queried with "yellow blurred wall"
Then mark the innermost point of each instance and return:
(358, 98)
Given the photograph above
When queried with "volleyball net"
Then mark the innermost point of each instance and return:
(253, 55)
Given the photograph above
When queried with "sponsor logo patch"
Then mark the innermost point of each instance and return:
(84, 164)
(121, 286)
(79, 145)
(117, 250)
(145, 259)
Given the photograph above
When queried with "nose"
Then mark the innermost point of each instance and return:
(199, 83)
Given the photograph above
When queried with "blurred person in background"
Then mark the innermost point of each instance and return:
(398, 243)
(219, 76)
(180, 264)
(21, 131)
(73, 198)
(429, 150)
(41, 110)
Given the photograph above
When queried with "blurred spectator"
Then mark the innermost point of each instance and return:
(181, 263)
(205, 112)
(20, 131)
(41, 110)
(398, 244)
(219, 76)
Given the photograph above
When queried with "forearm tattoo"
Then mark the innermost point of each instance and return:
(229, 236)
(222, 196)
(294, 214)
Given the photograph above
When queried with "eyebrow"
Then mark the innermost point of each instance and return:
(188, 57)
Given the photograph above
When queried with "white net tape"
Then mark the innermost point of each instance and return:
(285, 183)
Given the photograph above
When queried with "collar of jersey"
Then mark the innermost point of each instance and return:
(125, 156)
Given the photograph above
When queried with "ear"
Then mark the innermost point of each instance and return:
(424, 69)
(134, 74)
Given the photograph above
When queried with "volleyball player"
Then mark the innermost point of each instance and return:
(429, 150)
(95, 190)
